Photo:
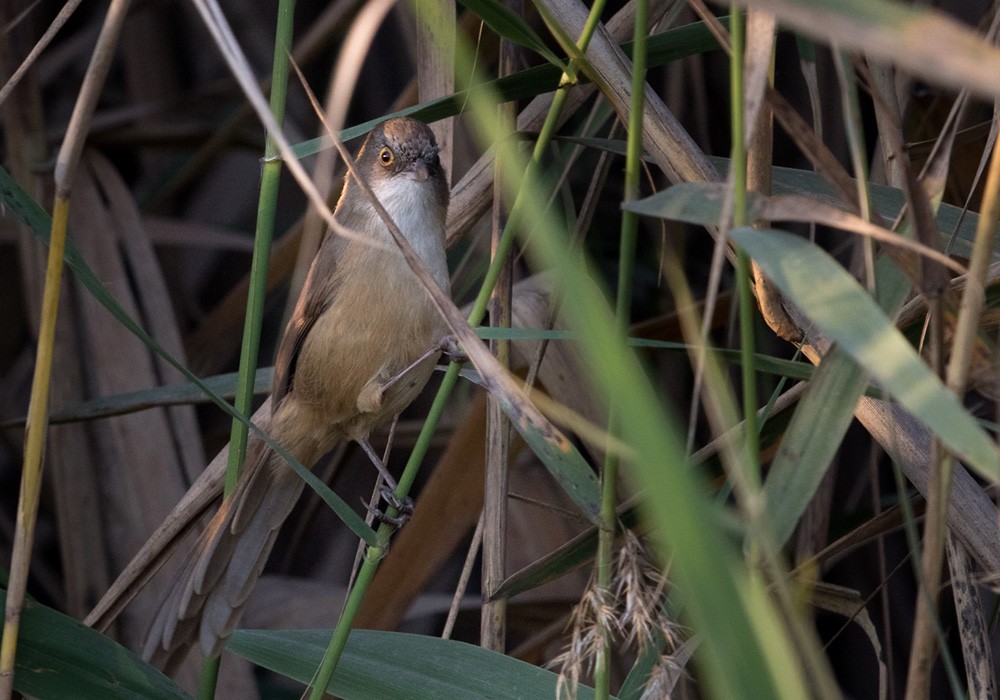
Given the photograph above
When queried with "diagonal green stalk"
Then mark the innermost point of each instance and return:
(856, 144)
(374, 553)
(623, 303)
(263, 234)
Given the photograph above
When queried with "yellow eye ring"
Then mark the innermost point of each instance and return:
(386, 157)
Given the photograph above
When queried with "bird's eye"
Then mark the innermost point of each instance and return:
(386, 156)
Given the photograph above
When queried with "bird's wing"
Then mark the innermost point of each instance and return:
(317, 294)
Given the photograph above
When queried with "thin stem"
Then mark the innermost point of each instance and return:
(922, 652)
(37, 424)
(856, 143)
(373, 554)
(623, 304)
(743, 274)
(493, 614)
(266, 206)
(250, 348)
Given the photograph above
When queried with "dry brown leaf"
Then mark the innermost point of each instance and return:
(974, 633)
(848, 603)
(140, 470)
(142, 456)
(436, 67)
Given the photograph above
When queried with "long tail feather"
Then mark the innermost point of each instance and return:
(208, 597)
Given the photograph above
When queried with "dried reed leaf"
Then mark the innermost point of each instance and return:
(976, 646)
(761, 31)
(436, 67)
(154, 302)
(158, 547)
(166, 231)
(141, 463)
(849, 603)
(898, 33)
(140, 469)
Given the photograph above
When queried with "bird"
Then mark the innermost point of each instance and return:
(358, 348)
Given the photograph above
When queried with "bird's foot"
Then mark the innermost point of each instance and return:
(450, 346)
(403, 508)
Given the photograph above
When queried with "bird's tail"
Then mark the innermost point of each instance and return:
(207, 598)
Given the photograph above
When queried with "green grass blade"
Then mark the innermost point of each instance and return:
(179, 394)
(838, 305)
(805, 454)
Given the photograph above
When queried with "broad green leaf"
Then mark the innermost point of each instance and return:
(805, 454)
(838, 305)
(379, 665)
(59, 657)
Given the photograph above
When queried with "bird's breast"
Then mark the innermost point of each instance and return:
(380, 321)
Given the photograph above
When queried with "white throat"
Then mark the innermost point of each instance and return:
(412, 206)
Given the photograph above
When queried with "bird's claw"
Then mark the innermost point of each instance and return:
(403, 508)
(453, 349)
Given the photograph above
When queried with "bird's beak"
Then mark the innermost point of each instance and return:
(419, 170)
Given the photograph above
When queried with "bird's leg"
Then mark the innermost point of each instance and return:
(448, 345)
(403, 507)
(385, 387)
(388, 490)
(377, 461)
